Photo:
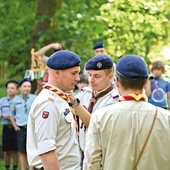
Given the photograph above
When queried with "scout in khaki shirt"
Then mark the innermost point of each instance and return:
(131, 134)
(51, 135)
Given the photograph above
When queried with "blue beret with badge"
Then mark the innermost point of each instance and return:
(23, 80)
(63, 59)
(98, 44)
(132, 67)
(99, 62)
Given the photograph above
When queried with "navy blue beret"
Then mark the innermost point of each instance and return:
(63, 59)
(11, 81)
(98, 44)
(99, 62)
(24, 80)
(132, 67)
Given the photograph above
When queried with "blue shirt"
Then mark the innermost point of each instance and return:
(6, 108)
(159, 88)
(22, 108)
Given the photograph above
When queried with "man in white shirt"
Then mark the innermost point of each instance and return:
(51, 136)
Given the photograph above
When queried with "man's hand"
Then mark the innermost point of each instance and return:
(56, 46)
(71, 96)
(5, 116)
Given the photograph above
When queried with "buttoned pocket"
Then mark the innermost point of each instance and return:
(68, 123)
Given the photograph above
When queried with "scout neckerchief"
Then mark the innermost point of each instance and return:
(63, 96)
(25, 104)
(137, 97)
(94, 98)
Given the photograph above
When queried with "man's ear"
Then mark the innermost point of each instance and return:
(146, 81)
(56, 73)
(111, 75)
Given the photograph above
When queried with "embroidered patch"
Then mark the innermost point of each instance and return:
(117, 96)
(5, 106)
(67, 111)
(18, 102)
(45, 114)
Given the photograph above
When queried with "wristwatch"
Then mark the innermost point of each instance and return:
(76, 102)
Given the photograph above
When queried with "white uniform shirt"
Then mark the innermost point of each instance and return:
(51, 127)
(84, 96)
(118, 132)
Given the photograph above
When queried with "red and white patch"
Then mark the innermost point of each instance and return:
(45, 114)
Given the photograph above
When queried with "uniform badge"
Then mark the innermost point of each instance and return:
(99, 65)
(45, 114)
(66, 112)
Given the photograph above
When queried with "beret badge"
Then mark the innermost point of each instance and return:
(99, 62)
(99, 65)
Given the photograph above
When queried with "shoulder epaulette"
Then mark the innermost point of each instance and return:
(115, 94)
(87, 89)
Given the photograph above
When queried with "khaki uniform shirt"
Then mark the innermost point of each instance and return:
(51, 127)
(118, 132)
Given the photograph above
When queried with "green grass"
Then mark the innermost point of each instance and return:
(2, 164)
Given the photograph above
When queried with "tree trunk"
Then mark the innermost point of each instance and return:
(46, 9)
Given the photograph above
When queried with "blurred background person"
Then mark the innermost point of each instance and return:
(9, 136)
(99, 48)
(81, 84)
(22, 105)
(157, 88)
(42, 52)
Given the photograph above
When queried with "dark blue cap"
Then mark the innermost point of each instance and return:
(24, 80)
(132, 67)
(63, 59)
(99, 62)
(98, 44)
(11, 81)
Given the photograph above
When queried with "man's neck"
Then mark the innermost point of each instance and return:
(24, 95)
(97, 92)
(130, 91)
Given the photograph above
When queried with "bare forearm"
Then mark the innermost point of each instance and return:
(46, 48)
(148, 88)
(168, 99)
(12, 120)
(43, 50)
(50, 161)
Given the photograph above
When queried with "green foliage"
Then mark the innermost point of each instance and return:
(126, 26)
(17, 21)
(135, 27)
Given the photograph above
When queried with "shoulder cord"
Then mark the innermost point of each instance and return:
(147, 139)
